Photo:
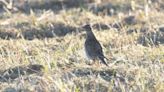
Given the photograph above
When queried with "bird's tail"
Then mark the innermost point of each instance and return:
(103, 61)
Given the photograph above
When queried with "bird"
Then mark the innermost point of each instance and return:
(92, 46)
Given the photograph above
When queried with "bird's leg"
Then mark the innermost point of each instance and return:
(97, 63)
(91, 62)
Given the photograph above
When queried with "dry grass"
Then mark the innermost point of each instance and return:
(132, 41)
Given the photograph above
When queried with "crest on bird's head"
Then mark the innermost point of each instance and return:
(87, 27)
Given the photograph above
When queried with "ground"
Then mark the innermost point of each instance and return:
(42, 46)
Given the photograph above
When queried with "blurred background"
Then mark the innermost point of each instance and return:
(148, 13)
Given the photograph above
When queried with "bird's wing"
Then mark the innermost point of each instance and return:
(98, 48)
(100, 54)
(94, 48)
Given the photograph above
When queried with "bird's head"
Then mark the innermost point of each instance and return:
(87, 27)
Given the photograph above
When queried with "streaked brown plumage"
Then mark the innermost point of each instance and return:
(92, 46)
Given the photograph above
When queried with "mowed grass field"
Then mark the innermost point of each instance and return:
(42, 47)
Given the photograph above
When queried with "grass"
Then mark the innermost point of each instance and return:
(55, 41)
